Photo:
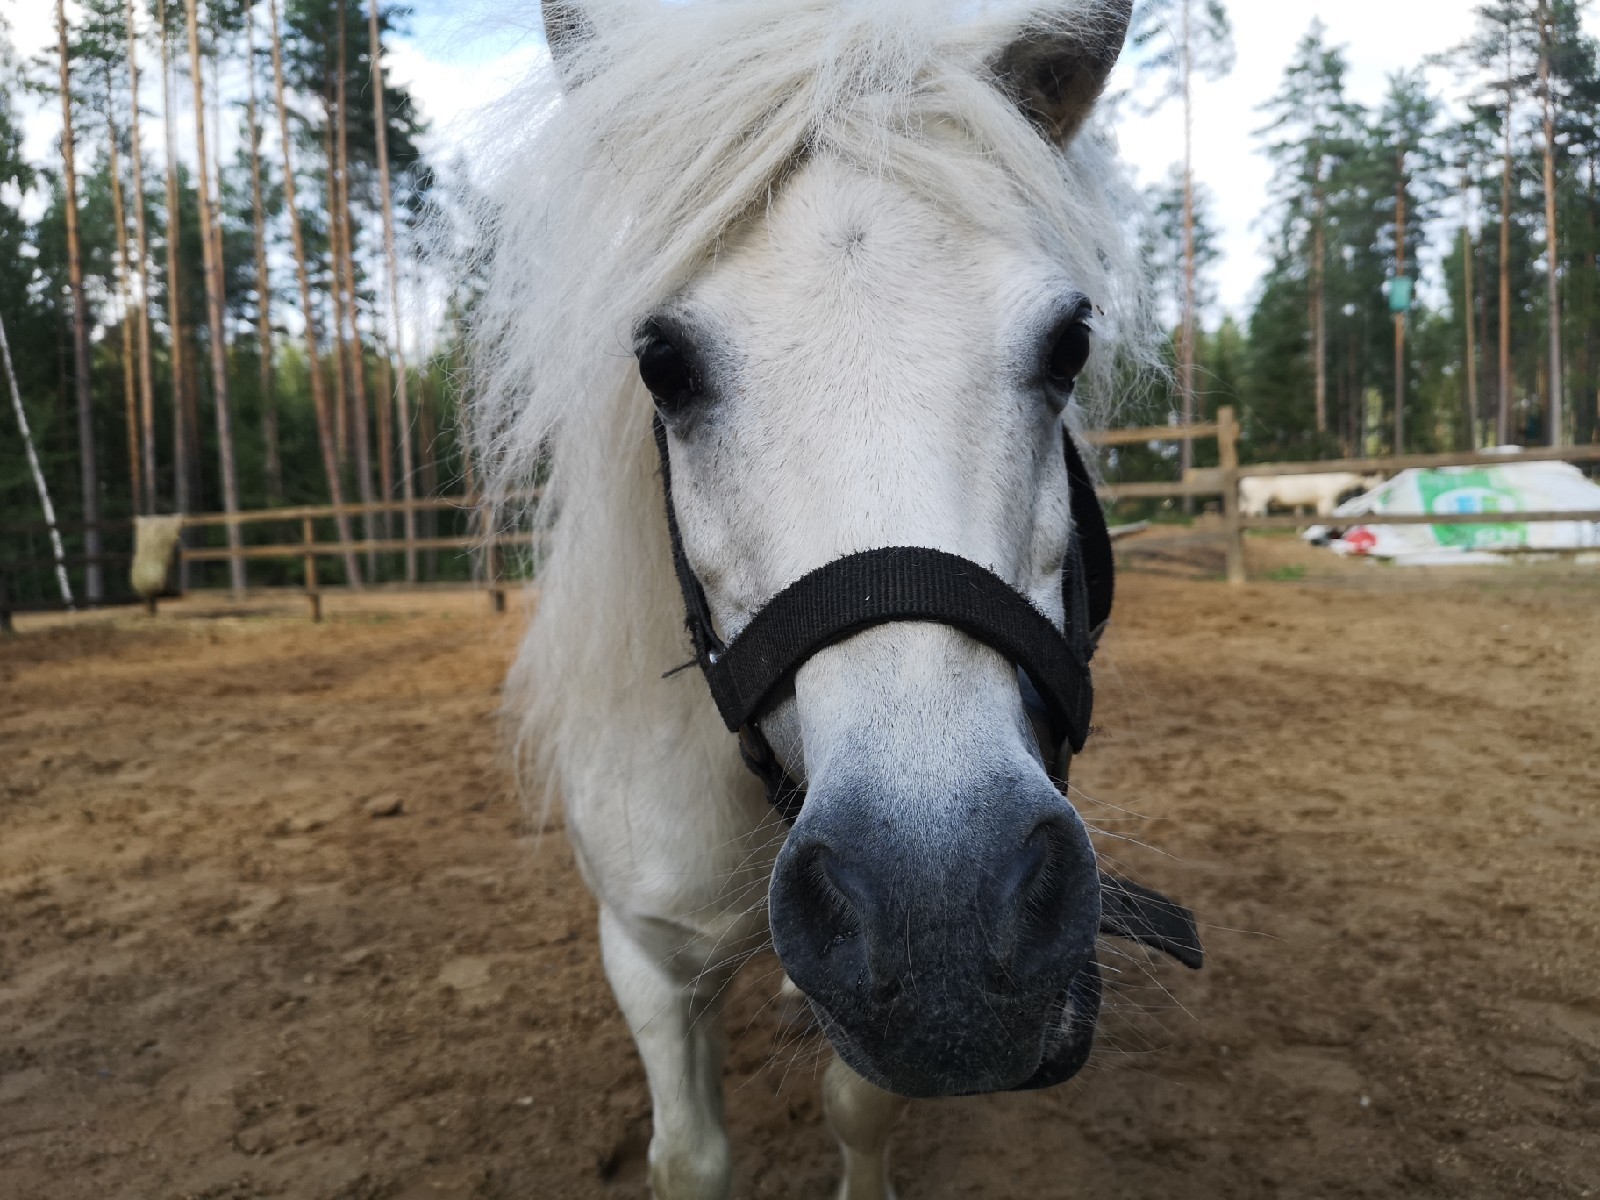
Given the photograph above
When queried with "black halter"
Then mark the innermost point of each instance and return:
(907, 583)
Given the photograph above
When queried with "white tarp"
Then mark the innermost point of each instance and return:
(1512, 488)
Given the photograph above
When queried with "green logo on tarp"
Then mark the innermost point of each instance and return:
(1471, 492)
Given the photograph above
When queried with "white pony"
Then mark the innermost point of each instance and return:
(855, 249)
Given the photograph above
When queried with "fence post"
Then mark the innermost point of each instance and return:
(497, 593)
(410, 519)
(309, 537)
(1228, 459)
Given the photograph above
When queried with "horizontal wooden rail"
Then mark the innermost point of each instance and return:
(1155, 491)
(329, 549)
(1475, 518)
(328, 511)
(1402, 462)
(1150, 433)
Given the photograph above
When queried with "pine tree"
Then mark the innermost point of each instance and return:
(1310, 142)
(214, 302)
(1503, 49)
(89, 475)
(1183, 38)
(380, 120)
(330, 460)
(273, 467)
(185, 442)
(147, 417)
(1406, 160)
(1178, 229)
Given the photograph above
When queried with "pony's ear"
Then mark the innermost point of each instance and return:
(567, 26)
(1056, 67)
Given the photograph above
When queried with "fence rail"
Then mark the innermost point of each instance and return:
(1472, 518)
(306, 548)
(1221, 481)
(1224, 480)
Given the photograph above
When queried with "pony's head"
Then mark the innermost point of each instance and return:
(861, 258)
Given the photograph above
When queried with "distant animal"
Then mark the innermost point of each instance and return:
(788, 302)
(1321, 493)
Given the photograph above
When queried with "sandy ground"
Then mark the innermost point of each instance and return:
(222, 976)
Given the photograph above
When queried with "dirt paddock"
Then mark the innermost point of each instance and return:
(270, 925)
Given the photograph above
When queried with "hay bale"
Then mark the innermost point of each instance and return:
(154, 539)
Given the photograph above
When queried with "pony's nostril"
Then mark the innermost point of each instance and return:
(831, 907)
(1045, 892)
(1038, 870)
(885, 990)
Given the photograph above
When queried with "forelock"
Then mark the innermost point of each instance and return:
(687, 119)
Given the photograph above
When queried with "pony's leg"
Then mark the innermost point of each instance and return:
(677, 1024)
(861, 1116)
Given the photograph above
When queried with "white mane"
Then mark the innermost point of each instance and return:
(612, 196)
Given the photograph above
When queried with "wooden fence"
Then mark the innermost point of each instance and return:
(486, 551)
(485, 547)
(1223, 480)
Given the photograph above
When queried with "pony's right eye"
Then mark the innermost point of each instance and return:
(667, 372)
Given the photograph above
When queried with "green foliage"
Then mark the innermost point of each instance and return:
(1162, 244)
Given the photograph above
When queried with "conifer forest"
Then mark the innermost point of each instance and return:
(207, 288)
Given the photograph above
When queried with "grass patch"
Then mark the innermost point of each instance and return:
(1290, 574)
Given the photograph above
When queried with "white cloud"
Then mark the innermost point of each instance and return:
(451, 93)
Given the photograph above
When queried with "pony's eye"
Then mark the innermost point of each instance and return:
(1068, 356)
(666, 372)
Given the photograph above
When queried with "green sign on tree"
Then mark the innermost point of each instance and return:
(1400, 294)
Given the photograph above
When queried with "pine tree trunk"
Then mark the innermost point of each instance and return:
(1554, 407)
(182, 460)
(402, 400)
(360, 431)
(269, 398)
(1467, 255)
(1319, 307)
(147, 389)
(1594, 332)
(341, 393)
(319, 393)
(1186, 334)
(1400, 317)
(89, 475)
(1503, 422)
(428, 467)
(1469, 300)
(124, 284)
(380, 407)
(1352, 386)
(213, 274)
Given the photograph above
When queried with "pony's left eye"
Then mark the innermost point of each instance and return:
(667, 372)
(1069, 354)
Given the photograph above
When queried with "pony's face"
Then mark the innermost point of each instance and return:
(876, 358)
(862, 367)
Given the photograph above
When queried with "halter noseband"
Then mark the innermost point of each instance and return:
(904, 583)
(908, 583)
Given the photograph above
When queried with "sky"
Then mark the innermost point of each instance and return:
(460, 54)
